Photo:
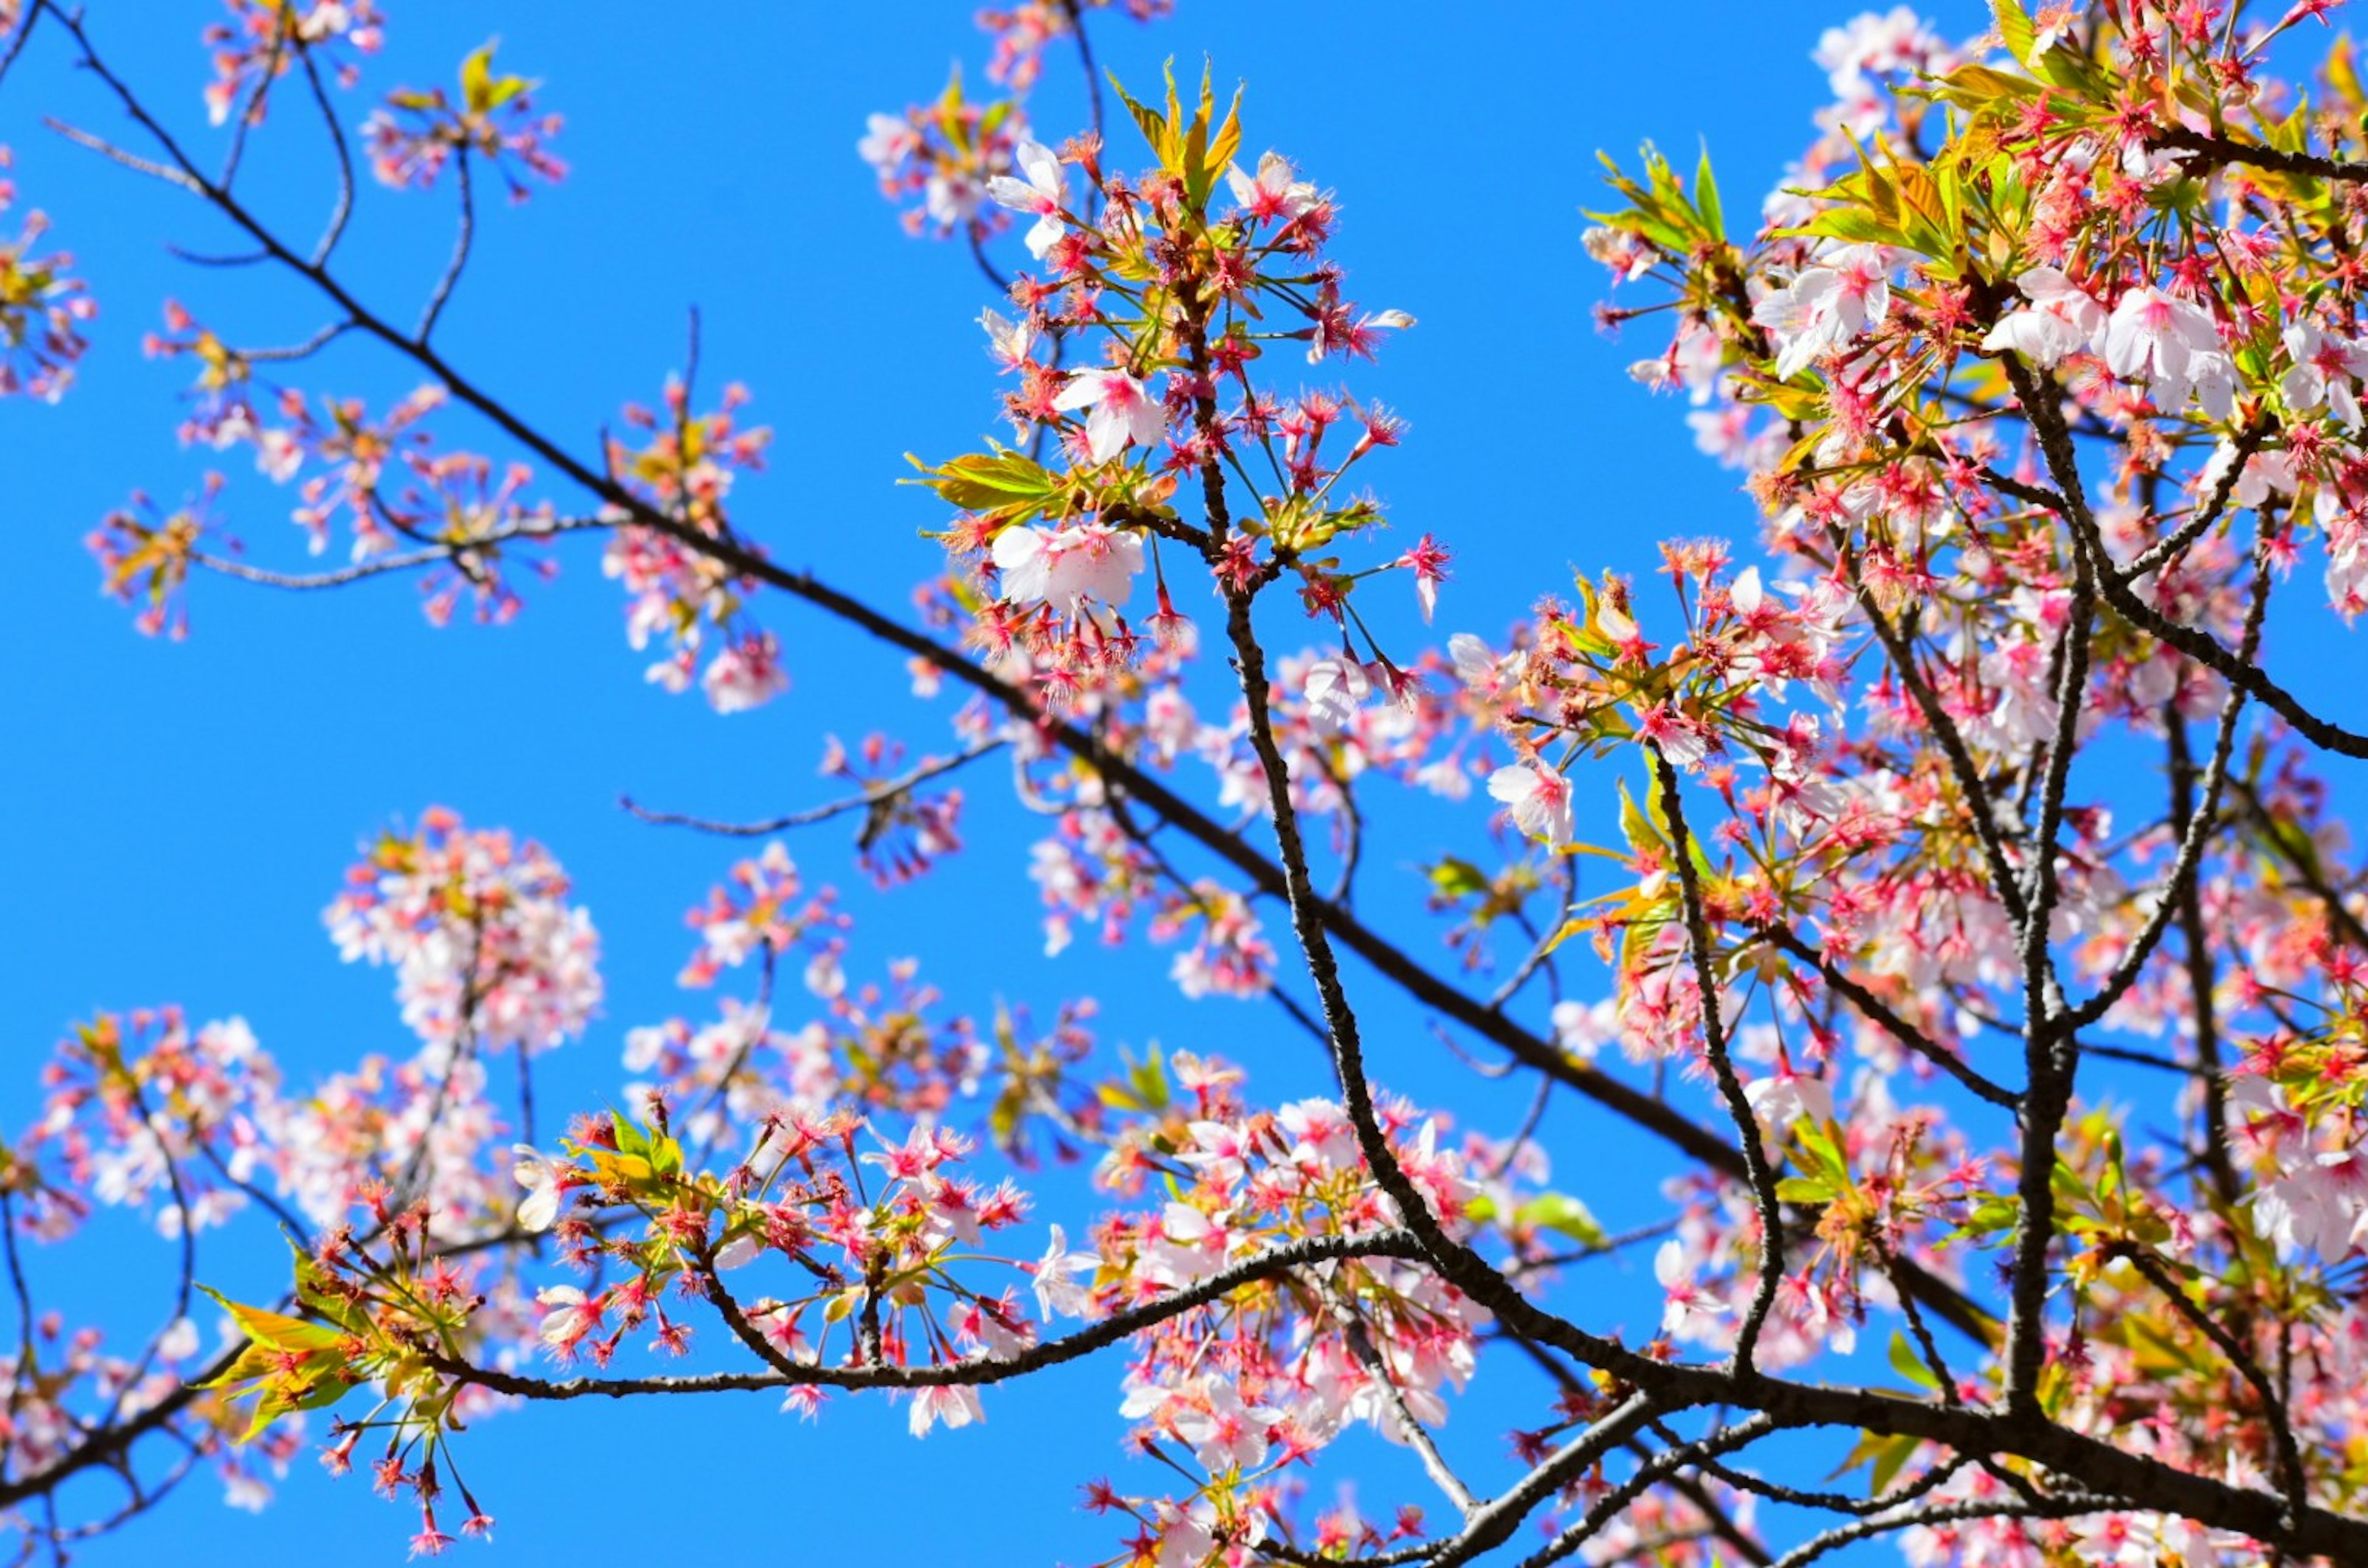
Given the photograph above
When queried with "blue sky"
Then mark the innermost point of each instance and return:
(174, 816)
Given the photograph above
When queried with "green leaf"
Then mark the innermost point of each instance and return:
(503, 90)
(1849, 224)
(1992, 1214)
(1706, 200)
(1148, 1077)
(1821, 1142)
(1003, 485)
(1973, 86)
(2015, 29)
(313, 1292)
(1909, 1365)
(2155, 1351)
(1888, 1454)
(477, 71)
(1457, 878)
(1560, 1212)
(1196, 152)
(1148, 121)
(1889, 1461)
(1207, 150)
(2342, 69)
(482, 91)
(1641, 831)
(276, 1329)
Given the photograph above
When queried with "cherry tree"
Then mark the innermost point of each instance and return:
(1979, 945)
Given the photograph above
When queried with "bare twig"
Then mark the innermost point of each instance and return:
(874, 797)
(460, 247)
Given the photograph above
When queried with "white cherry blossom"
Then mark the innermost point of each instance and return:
(1041, 193)
(1067, 567)
(1125, 412)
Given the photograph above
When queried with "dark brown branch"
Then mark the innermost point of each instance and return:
(2176, 896)
(2220, 150)
(1110, 1331)
(1494, 1522)
(2274, 1414)
(384, 566)
(344, 208)
(1980, 807)
(2215, 506)
(2051, 1053)
(1754, 1149)
(1941, 1514)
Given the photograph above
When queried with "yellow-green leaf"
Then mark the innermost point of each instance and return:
(275, 1329)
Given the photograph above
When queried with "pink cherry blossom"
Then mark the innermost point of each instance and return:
(1271, 196)
(2060, 321)
(2164, 340)
(1827, 305)
(1538, 798)
(1125, 412)
(747, 675)
(1042, 192)
(1069, 569)
(2325, 370)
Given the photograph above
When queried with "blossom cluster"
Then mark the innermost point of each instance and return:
(196, 1123)
(1023, 32)
(1238, 1391)
(684, 472)
(145, 553)
(265, 39)
(488, 951)
(1174, 287)
(419, 131)
(43, 307)
(1934, 329)
(940, 155)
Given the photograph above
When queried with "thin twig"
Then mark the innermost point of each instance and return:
(1879, 1013)
(1762, 1175)
(461, 247)
(114, 153)
(872, 797)
(344, 208)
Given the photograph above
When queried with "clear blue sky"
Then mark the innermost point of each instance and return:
(174, 816)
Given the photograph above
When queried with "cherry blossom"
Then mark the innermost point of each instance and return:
(480, 932)
(262, 39)
(747, 674)
(2324, 369)
(1123, 412)
(945, 152)
(1069, 569)
(1827, 305)
(413, 138)
(1271, 196)
(2165, 340)
(1041, 193)
(42, 308)
(1940, 837)
(2060, 321)
(1538, 798)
